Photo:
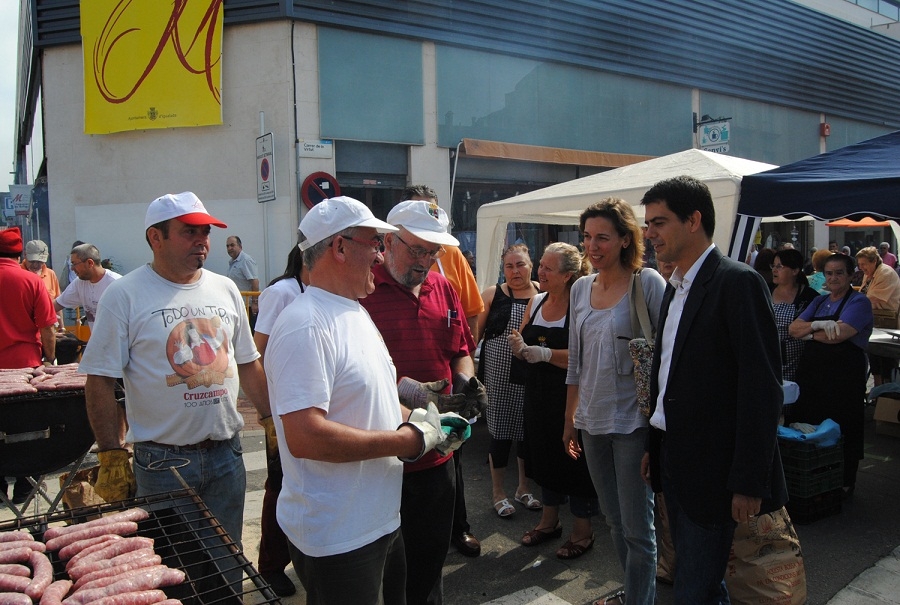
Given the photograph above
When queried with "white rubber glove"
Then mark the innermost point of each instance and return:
(803, 427)
(516, 343)
(428, 422)
(457, 430)
(536, 354)
(830, 327)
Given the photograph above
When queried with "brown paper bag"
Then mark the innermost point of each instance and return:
(665, 548)
(766, 564)
(81, 491)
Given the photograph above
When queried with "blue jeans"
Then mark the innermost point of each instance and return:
(614, 462)
(217, 475)
(701, 552)
(374, 573)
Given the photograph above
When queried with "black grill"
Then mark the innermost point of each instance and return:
(187, 537)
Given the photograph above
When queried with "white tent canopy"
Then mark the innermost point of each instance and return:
(563, 203)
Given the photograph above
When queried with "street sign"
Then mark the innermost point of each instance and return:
(317, 187)
(715, 136)
(21, 199)
(323, 149)
(265, 168)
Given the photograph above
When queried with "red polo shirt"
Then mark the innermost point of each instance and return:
(27, 307)
(423, 334)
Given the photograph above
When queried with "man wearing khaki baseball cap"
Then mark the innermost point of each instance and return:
(179, 337)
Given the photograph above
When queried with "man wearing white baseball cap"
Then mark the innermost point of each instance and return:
(179, 337)
(339, 421)
(423, 324)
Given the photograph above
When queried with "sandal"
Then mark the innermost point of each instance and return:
(504, 508)
(529, 501)
(573, 550)
(539, 536)
(614, 599)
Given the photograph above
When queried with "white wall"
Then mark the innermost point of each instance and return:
(100, 185)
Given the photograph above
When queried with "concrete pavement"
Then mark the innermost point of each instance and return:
(851, 559)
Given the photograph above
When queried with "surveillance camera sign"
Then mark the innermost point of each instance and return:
(715, 136)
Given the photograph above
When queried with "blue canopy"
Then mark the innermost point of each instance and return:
(854, 181)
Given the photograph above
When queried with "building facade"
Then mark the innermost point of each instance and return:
(484, 98)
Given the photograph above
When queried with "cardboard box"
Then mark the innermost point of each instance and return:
(887, 416)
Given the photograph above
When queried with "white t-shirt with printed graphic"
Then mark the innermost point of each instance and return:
(177, 347)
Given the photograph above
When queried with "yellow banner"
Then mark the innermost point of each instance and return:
(151, 64)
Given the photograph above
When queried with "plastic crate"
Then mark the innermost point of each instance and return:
(805, 484)
(807, 510)
(803, 456)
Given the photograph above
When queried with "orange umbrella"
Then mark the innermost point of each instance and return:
(863, 223)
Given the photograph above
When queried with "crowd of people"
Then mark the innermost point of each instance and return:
(360, 361)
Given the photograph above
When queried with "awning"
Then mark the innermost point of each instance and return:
(552, 155)
(864, 223)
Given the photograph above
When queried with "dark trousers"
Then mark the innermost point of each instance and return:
(701, 549)
(426, 517)
(460, 518)
(374, 573)
(273, 544)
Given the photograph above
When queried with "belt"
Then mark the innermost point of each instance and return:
(206, 444)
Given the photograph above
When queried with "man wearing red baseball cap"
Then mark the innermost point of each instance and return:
(26, 325)
(179, 337)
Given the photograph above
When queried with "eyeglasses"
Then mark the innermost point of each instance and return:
(418, 252)
(837, 273)
(81, 262)
(377, 242)
(776, 267)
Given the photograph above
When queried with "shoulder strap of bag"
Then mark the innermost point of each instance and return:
(639, 308)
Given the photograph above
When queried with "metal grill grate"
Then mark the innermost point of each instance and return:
(187, 537)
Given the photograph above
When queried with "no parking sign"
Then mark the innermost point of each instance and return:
(265, 169)
(317, 187)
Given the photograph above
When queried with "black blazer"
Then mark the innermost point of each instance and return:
(723, 396)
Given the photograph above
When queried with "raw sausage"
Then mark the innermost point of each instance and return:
(10, 583)
(79, 571)
(99, 545)
(38, 546)
(54, 593)
(16, 555)
(15, 598)
(144, 579)
(123, 528)
(101, 582)
(115, 548)
(15, 536)
(73, 549)
(144, 597)
(42, 570)
(14, 569)
(132, 514)
(133, 563)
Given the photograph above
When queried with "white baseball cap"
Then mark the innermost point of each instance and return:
(425, 220)
(186, 207)
(36, 250)
(333, 216)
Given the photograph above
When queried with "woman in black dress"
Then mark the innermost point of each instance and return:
(543, 346)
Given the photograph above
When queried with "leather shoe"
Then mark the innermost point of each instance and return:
(467, 544)
(280, 583)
